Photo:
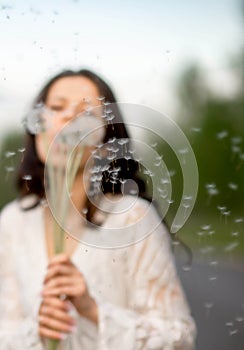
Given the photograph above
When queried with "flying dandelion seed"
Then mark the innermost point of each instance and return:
(233, 186)
(221, 135)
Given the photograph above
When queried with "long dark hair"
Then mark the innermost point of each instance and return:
(32, 167)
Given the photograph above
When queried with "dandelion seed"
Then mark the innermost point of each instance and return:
(9, 169)
(84, 211)
(101, 98)
(165, 181)
(236, 140)
(112, 140)
(208, 304)
(206, 227)
(239, 220)
(164, 194)
(9, 154)
(148, 172)
(188, 198)
(222, 208)
(133, 191)
(235, 149)
(213, 278)
(200, 233)
(194, 129)
(186, 268)
(111, 157)
(233, 186)
(207, 249)
(123, 141)
(183, 151)
(231, 246)
(27, 177)
(221, 135)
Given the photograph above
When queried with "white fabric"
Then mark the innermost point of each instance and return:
(141, 304)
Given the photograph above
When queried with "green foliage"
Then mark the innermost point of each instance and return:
(10, 155)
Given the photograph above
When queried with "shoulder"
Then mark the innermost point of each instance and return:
(14, 213)
(10, 211)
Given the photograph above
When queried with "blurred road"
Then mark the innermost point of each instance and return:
(215, 292)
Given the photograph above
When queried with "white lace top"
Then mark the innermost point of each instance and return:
(141, 304)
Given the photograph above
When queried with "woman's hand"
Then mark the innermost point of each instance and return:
(54, 319)
(63, 278)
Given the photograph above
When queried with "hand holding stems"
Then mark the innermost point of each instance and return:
(63, 278)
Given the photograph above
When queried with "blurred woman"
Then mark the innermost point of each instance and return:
(87, 297)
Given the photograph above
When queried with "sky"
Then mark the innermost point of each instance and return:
(139, 47)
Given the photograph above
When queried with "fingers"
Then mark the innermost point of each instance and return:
(54, 319)
(59, 259)
(56, 303)
(58, 270)
(55, 324)
(51, 334)
(70, 290)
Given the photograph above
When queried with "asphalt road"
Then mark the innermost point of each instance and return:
(215, 292)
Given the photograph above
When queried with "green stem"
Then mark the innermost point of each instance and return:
(52, 344)
(61, 207)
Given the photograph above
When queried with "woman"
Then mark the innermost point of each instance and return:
(128, 298)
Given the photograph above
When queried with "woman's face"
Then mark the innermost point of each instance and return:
(66, 98)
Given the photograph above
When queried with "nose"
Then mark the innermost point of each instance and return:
(68, 114)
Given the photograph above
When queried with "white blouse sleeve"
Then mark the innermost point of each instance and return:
(157, 316)
(17, 331)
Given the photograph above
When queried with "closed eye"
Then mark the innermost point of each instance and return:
(56, 108)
